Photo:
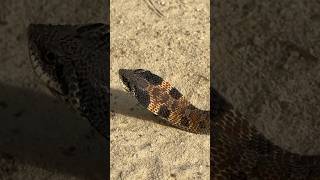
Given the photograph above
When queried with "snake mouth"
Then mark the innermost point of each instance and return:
(125, 81)
(133, 80)
(126, 85)
(54, 91)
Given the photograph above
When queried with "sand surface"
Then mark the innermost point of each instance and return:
(176, 47)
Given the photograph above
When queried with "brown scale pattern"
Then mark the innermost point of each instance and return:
(179, 112)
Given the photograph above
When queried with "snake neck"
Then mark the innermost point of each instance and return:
(168, 103)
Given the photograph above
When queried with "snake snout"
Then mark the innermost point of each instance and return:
(125, 81)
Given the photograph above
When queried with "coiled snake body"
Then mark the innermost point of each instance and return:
(72, 62)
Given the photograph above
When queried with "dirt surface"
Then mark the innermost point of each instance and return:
(41, 138)
(175, 45)
(267, 63)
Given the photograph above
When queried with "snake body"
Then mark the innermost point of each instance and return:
(159, 97)
(71, 60)
(239, 151)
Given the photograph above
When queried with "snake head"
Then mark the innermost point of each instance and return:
(46, 52)
(73, 62)
(136, 82)
(54, 49)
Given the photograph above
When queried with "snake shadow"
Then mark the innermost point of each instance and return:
(122, 102)
(39, 131)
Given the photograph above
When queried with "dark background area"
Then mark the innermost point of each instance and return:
(266, 62)
(41, 138)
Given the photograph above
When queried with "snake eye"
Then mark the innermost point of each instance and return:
(50, 58)
(126, 83)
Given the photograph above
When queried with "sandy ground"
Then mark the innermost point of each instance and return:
(176, 47)
(40, 137)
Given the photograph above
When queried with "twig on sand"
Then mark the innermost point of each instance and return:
(153, 8)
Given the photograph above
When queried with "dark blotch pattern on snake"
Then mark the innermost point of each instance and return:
(159, 97)
(238, 150)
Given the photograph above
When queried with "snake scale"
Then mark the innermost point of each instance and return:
(71, 61)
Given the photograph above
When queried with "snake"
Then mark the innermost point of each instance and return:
(71, 61)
